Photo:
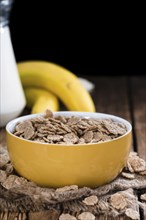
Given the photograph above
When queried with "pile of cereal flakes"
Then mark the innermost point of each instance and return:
(118, 198)
(69, 130)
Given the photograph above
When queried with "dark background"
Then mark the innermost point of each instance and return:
(84, 39)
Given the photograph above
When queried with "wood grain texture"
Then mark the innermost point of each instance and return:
(111, 96)
(138, 102)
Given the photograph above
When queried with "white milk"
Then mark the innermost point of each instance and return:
(12, 99)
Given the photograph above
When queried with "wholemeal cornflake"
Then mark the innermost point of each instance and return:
(13, 181)
(48, 114)
(28, 133)
(40, 140)
(115, 127)
(81, 141)
(55, 138)
(132, 214)
(67, 188)
(3, 176)
(129, 167)
(61, 118)
(135, 163)
(41, 135)
(65, 127)
(88, 136)
(74, 120)
(86, 216)
(70, 138)
(118, 201)
(67, 217)
(128, 175)
(106, 137)
(21, 127)
(91, 200)
(143, 197)
(39, 120)
(97, 136)
(68, 130)
(143, 173)
(8, 168)
(4, 159)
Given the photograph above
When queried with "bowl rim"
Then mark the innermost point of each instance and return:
(11, 124)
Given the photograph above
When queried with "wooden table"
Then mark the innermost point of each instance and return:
(124, 97)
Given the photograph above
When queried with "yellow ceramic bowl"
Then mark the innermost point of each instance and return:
(57, 165)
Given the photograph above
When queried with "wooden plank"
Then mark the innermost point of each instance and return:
(44, 215)
(138, 96)
(111, 96)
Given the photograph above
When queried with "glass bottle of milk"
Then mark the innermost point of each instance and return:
(12, 99)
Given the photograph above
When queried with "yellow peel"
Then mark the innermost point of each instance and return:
(40, 100)
(59, 81)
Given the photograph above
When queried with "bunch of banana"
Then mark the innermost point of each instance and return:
(44, 82)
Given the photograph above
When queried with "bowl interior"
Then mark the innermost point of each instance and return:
(11, 125)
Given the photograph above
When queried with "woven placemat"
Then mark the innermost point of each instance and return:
(20, 197)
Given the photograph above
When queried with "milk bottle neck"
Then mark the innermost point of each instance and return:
(5, 7)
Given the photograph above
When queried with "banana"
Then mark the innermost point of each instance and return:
(40, 100)
(58, 80)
